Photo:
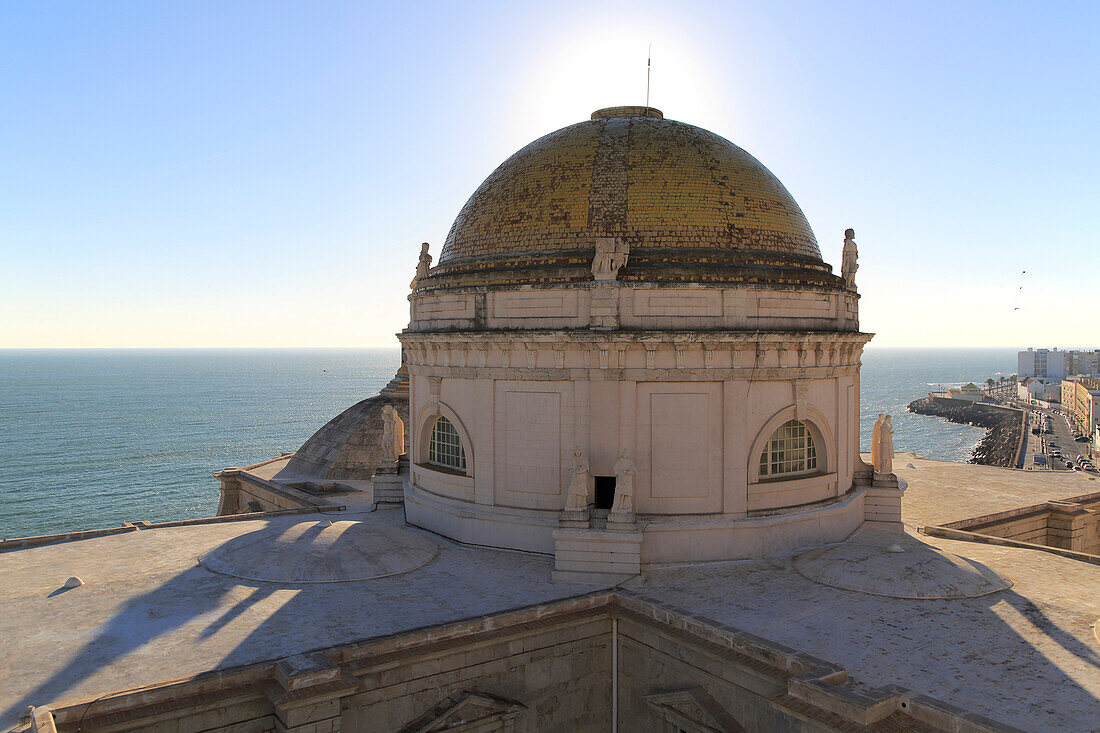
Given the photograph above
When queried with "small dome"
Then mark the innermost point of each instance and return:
(692, 206)
(320, 551)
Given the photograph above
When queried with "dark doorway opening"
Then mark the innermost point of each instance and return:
(605, 491)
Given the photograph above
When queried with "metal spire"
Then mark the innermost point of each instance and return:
(648, 63)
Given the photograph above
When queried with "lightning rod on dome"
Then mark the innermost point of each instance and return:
(648, 62)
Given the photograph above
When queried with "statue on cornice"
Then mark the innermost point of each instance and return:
(849, 259)
(624, 485)
(422, 266)
(393, 434)
(577, 501)
(882, 445)
(611, 256)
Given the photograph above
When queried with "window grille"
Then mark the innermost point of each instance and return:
(445, 447)
(790, 450)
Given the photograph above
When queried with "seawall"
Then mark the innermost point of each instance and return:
(1005, 427)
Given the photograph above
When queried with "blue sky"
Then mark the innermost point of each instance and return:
(261, 174)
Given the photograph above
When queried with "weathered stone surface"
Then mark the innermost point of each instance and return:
(321, 551)
(691, 205)
(900, 566)
(350, 445)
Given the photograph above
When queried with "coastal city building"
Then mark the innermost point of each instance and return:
(1056, 364)
(969, 392)
(1039, 390)
(1050, 363)
(1083, 362)
(615, 485)
(1081, 402)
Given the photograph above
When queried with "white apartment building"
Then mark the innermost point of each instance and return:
(1049, 363)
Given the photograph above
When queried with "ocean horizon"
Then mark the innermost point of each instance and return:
(95, 437)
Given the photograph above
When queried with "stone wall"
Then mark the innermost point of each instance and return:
(598, 662)
(635, 306)
(656, 670)
(559, 677)
(1067, 524)
(693, 410)
(244, 492)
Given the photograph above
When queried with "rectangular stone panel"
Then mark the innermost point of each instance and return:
(532, 442)
(781, 306)
(679, 444)
(443, 306)
(677, 303)
(537, 304)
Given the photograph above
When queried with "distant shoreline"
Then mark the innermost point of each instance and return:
(999, 446)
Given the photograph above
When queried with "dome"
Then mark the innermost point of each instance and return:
(692, 206)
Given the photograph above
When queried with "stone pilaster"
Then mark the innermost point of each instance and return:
(605, 308)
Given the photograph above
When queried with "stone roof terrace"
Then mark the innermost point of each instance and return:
(150, 612)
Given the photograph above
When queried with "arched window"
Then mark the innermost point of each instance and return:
(790, 450)
(445, 447)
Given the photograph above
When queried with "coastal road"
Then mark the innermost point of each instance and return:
(1063, 438)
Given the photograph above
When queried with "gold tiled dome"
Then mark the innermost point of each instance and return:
(692, 206)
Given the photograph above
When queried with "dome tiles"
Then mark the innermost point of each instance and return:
(691, 205)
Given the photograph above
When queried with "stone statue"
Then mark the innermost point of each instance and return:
(577, 501)
(876, 431)
(422, 266)
(624, 485)
(393, 434)
(611, 256)
(882, 445)
(848, 259)
(886, 446)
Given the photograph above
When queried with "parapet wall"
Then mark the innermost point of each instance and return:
(602, 661)
(1067, 524)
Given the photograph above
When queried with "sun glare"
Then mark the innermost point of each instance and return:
(564, 82)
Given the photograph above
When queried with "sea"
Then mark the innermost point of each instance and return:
(95, 437)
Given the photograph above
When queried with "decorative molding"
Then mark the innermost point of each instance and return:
(468, 712)
(693, 711)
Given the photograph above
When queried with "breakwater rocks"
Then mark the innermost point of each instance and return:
(999, 446)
